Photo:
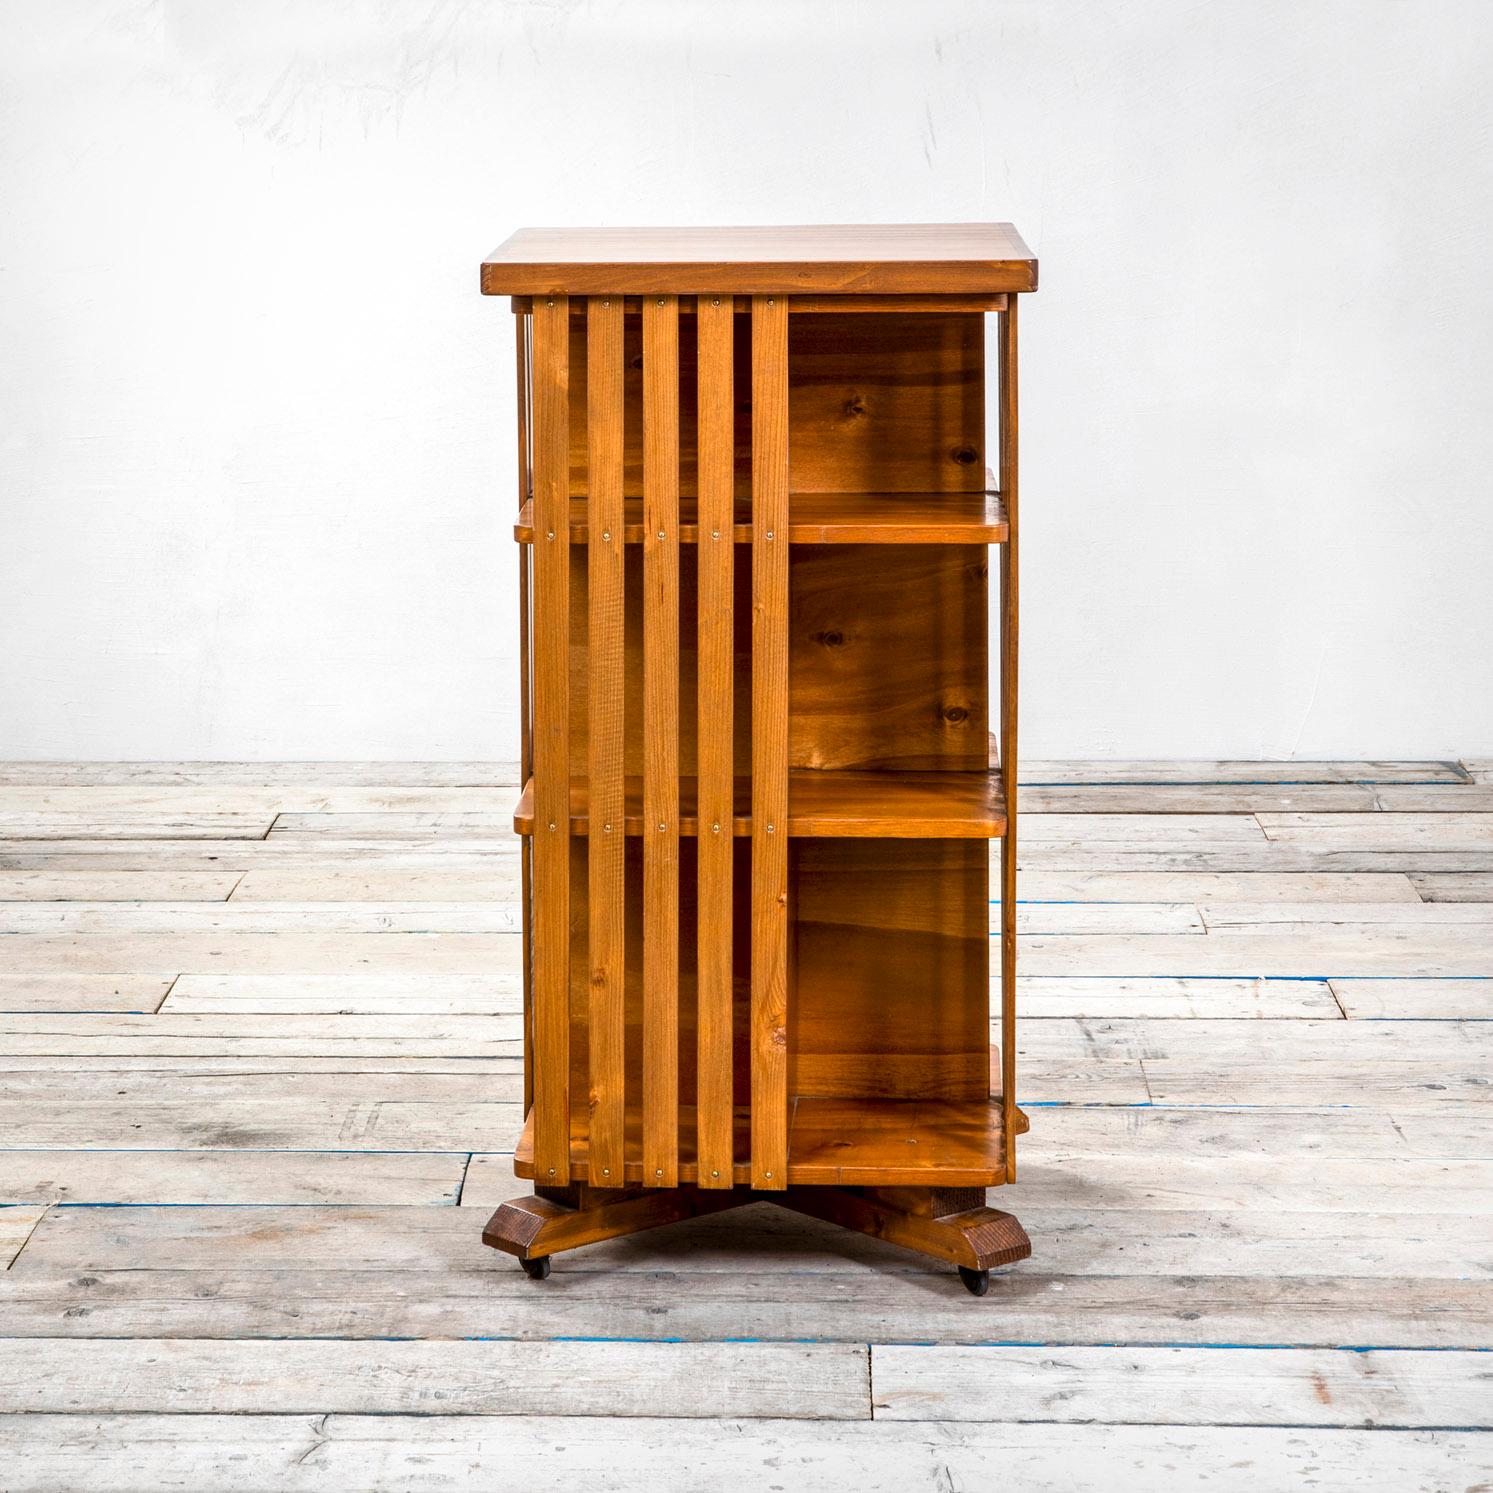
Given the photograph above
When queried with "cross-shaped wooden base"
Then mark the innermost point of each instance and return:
(950, 1224)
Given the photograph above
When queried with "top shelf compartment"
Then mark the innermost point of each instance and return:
(828, 518)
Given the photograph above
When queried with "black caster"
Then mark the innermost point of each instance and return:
(539, 1269)
(976, 1282)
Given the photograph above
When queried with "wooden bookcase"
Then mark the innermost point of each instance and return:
(760, 755)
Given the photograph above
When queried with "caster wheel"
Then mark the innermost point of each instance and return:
(976, 1282)
(539, 1269)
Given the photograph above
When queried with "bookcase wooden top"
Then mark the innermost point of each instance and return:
(850, 259)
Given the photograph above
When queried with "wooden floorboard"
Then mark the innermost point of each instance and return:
(260, 1082)
(308, 1452)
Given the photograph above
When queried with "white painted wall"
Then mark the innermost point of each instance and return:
(255, 470)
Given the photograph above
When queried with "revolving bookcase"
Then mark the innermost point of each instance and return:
(759, 771)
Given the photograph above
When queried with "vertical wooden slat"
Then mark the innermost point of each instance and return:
(552, 741)
(525, 743)
(661, 741)
(1008, 641)
(769, 1034)
(605, 587)
(716, 558)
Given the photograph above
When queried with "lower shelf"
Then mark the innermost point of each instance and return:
(834, 1143)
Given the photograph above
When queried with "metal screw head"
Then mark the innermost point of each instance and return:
(606, 303)
(606, 534)
(606, 829)
(715, 533)
(715, 302)
(769, 302)
(550, 303)
(769, 534)
(660, 533)
(552, 825)
(606, 1171)
(662, 825)
(768, 1174)
(660, 302)
(715, 1174)
(550, 535)
(552, 1171)
(715, 829)
(770, 829)
(660, 1171)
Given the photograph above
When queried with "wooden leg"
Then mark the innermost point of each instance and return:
(566, 1218)
(948, 1223)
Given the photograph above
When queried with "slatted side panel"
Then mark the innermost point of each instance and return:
(714, 1103)
(551, 454)
(769, 1010)
(661, 741)
(605, 593)
(525, 739)
(1008, 643)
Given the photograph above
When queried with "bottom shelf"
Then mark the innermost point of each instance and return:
(834, 1143)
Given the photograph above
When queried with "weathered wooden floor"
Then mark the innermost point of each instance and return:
(260, 1076)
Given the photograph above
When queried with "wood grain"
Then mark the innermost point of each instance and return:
(884, 805)
(1196, 1386)
(226, 1454)
(829, 518)
(769, 1012)
(863, 259)
(714, 995)
(661, 740)
(490, 1378)
(1010, 651)
(606, 691)
(551, 743)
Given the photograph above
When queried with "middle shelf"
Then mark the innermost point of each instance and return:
(829, 805)
(827, 518)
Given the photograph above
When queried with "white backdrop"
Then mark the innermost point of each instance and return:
(255, 422)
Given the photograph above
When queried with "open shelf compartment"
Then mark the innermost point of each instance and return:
(831, 1143)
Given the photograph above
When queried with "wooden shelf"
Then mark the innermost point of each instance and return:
(830, 805)
(828, 518)
(831, 1143)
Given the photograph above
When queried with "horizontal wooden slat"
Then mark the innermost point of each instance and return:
(116, 886)
(781, 1381)
(319, 776)
(349, 994)
(148, 1255)
(109, 1454)
(1448, 831)
(192, 918)
(91, 992)
(265, 953)
(1151, 770)
(1191, 1386)
(192, 1177)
